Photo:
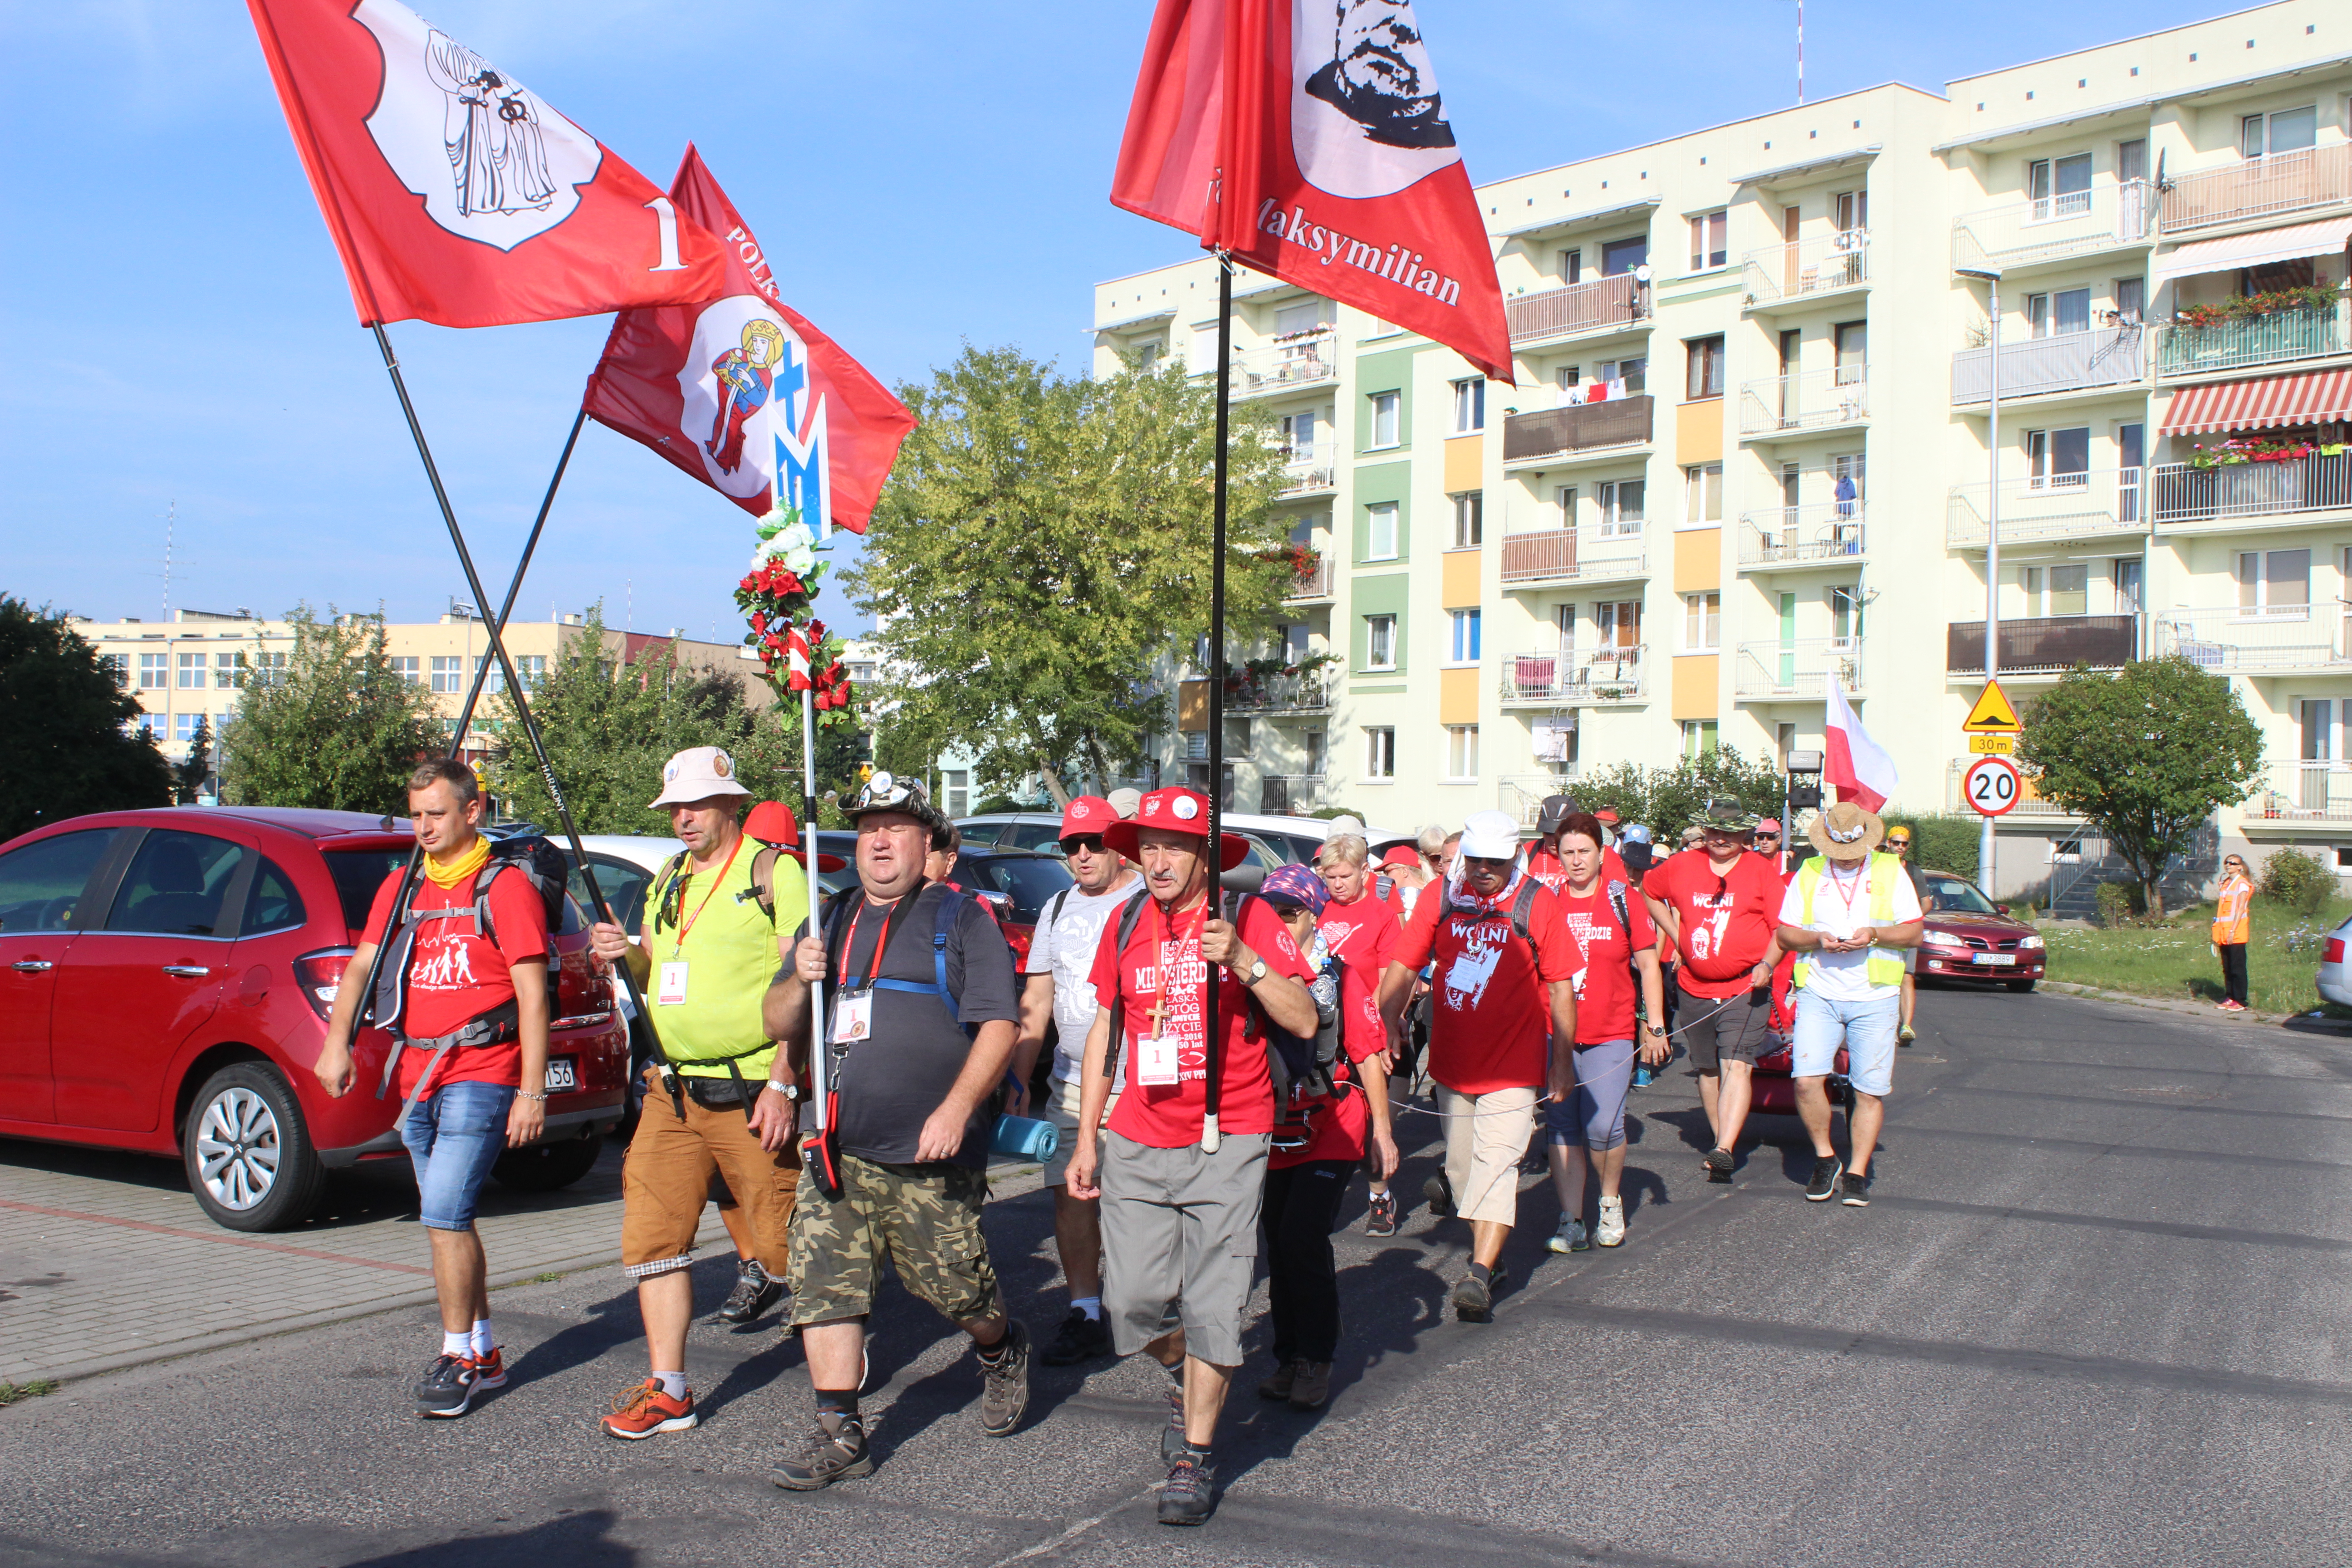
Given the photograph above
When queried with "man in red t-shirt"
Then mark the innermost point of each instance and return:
(469, 999)
(1720, 906)
(1502, 1032)
(1180, 1211)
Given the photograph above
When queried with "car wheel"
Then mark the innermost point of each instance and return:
(249, 1154)
(2020, 986)
(546, 1167)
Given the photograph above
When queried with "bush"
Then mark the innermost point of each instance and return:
(1942, 843)
(2302, 882)
(2118, 902)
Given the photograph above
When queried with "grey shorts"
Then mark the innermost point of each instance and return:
(1731, 1028)
(1061, 1107)
(1179, 1242)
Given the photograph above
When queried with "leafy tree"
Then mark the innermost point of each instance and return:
(1671, 798)
(336, 728)
(188, 778)
(63, 746)
(2145, 755)
(1044, 543)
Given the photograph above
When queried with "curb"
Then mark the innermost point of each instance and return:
(2187, 1009)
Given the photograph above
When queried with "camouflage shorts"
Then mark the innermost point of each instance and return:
(925, 1219)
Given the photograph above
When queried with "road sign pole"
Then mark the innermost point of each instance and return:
(1986, 841)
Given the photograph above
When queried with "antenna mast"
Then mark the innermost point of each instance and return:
(171, 519)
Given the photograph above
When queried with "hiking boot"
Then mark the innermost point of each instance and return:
(1311, 1386)
(1080, 1338)
(1439, 1191)
(755, 1291)
(642, 1411)
(1611, 1231)
(1718, 1163)
(489, 1371)
(827, 1456)
(1381, 1215)
(1474, 1299)
(1285, 1378)
(1004, 1384)
(447, 1386)
(1824, 1184)
(1171, 1437)
(1854, 1192)
(1191, 1495)
(1569, 1236)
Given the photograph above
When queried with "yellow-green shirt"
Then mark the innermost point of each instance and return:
(729, 952)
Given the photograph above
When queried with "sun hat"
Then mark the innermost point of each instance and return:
(1724, 817)
(1294, 885)
(887, 792)
(1125, 802)
(1086, 814)
(699, 773)
(771, 822)
(1174, 809)
(1554, 810)
(1489, 836)
(1847, 833)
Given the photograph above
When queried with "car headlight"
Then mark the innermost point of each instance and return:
(2029, 944)
(1941, 938)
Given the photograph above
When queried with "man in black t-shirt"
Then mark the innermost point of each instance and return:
(915, 1058)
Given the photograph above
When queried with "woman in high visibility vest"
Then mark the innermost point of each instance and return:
(2230, 930)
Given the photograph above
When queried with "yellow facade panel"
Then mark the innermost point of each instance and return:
(1457, 696)
(1694, 678)
(1459, 578)
(1465, 463)
(1698, 432)
(1699, 560)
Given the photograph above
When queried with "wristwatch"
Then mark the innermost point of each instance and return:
(789, 1090)
(1257, 972)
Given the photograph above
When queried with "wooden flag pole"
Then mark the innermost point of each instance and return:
(1212, 1034)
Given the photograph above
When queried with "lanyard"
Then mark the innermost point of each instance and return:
(882, 940)
(715, 881)
(1846, 896)
(1162, 924)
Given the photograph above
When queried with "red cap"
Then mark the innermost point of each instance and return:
(1400, 855)
(772, 822)
(1173, 810)
(1605, 815)
(1086, 814)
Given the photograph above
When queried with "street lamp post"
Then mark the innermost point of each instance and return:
(1992, 276)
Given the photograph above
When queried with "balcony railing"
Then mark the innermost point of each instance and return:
(1521, 796)
(2055, 506)
(1796, 535)
(1816, 265)
(1809, 400)
(1585, 427)
(1307, 362)
(2226, 640)
(2050, 644)
(2050, 228)
(1797, 671)
(1570, 554)
(2071, 361)
(1314, 580)
(1306, 477)
(1604, 302)
(2258, 187)
(2030, 806)
(1302, 693)
(2186, 352)
(1575, 678)
(2186, 496)
(2303, 790)
(1280, 794)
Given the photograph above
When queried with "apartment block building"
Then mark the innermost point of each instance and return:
(1750, 452)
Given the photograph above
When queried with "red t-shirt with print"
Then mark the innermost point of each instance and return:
(1728, 918)
(1362, 934)
(1605, 994)
(454, 975)
(1490, 1027)
(1338, 1122)
(1169, 1116)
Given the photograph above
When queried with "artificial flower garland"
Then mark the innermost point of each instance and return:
(796, 652)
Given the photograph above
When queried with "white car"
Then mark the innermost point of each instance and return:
(2335, 977)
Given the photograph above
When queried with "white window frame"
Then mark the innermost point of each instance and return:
(1710, 237)
(2050, 204)
(1470, 405)
(1703, 495)
(1298, 437)
(1563, 500)
(1461, 753)
(1699, 737)
(1376, 514)
(2042, 590)
(154, 672)
(2255, 573)
(1463, 630)
(1379, 753)
(1380, 629)
(448, 673)
(189, 672)
(2040, 451)
(1469, 520)
(1703, 621)
(2264, 126)
(1387, 407)
(409, 668)
(1609, 495)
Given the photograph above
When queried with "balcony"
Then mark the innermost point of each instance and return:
(1284, 795)
(2070, 362)
(2253, 188)
(1796, 671)
(1305, 692)
(1313, 582)
(1291, 366)
(2300, 489)
(1575, 555)
(1808, 401)
(2050, 646)
(1566, 677)
(2186, 352)
(2051, 507)
(1305, 477)
(1521, 796)
(2021, 236)
(1604, 304)
(1779, 276)
(1824, 532)
(2030, 807)
(2294, 790)
(2244, 639)
(1585, 427)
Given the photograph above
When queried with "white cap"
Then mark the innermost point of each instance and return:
(1343, 823)
(697, 774)
(1126, 802)
(1489, 836)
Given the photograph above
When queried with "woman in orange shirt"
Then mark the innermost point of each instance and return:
(2230, 930)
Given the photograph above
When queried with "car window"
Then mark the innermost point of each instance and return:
(1950, 896)
(1031, 835)
(1031, 882)
(41, 884)
(271, 904)
(175, 884)
(624, 884)
(358, 873)
(980, 834)
(1302, 851)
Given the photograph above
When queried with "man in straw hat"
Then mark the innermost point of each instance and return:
(1849, 914)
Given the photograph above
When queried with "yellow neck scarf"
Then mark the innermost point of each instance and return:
(462, 869)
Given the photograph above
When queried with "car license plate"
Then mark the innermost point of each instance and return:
(561, 1074)
(2002, 958)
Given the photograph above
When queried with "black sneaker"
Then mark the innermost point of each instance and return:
(1718, 1163)
(1474, 1299)
(1381, 1215)
(1004, 1383)
(1080, 1338)
(826, 1456)
(755, 1291)
(1823, 1184)
(1856, 1191)
(1191, 1495)
(1171, 1437)
(1440, 1194)
(446, 1389)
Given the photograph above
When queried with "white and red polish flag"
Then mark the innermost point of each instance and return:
(1307, 138)
(740, 392)
(1857, 765)
(454, 193)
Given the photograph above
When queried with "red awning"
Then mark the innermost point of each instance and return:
(2261, 405)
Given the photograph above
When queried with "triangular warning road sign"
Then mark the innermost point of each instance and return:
(1994, 714)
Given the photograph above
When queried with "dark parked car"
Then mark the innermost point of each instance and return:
(166, 978)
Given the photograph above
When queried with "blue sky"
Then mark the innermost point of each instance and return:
(175, 328)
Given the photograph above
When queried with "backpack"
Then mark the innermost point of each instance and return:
(762, 891)
(530, 855)
(836, 927)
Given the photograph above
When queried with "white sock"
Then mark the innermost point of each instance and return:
(673, 1384)
(457, 1342)
(483, 1343)
(1090, 1305)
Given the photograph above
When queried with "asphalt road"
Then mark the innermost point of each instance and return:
(2092, 1317)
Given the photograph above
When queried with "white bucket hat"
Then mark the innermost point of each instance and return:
(696, 773)
(1489, 836)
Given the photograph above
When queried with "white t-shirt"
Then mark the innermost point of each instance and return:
(1063, 947)
(1840, 907)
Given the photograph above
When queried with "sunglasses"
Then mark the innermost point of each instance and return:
(1898, 843)
(1092, 843)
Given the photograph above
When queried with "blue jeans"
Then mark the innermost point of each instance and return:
(455, 1135)
(1867, 1029)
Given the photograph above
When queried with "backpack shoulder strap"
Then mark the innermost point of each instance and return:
(1053, 910)
(764, 881)
(483, 925)
(950, 907)
(1384, 885)
(1523, 908)
(1617, 902)
(658, 895)
(1129, 916)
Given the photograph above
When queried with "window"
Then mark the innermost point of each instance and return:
(2072, 314)
(532, 667)
(1300, 318)
(1702, 493)
(2131, 593)
(1624, 377)
(1291, 641)
(1469, 520)
(174, 884)
(183, 726)
(1621, 507)
(1851, 342)
(1618, 624)
(2131, 299)
(1316, 743)
(2271, 277)
(2277, 581)
(1147, 355)
(117, 667)
(191, 672)
(1380, 531)
(1851, 210)
(1702, 622)
(448, 673)
(1379, 642)
(2058, 459)
(1564, 622)
(1470, 405)
(1461, 753)
(1699, 738)
(957, 789)
(2059, 187)
(1845, 613)
(1298, 437)
(1706, 368)
(1571, 266)
(1568, 377)
(407, 668)
(272, 904)
(1619, 256)
(1384, 420)
(229, 671)
(2131, 159)
(2289, 131)
(1464, 649)
(41, 883)
(154, 672)
(2058, 590)
(1707, 246)
(1563, 500)
(1239, 737)
(1379, 752)
(269, 665)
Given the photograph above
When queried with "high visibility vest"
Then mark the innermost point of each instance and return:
(1882, 966)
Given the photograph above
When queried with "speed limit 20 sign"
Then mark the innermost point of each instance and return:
(1992, 785)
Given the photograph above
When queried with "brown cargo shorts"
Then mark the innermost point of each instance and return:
(666, 1179)
(925, 1219)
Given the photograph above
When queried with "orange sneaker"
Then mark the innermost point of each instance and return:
(642, 1411)
(489, 1371)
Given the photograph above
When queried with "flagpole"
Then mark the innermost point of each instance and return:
(1213, 1033)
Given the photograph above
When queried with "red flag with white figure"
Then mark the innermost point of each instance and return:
(454, 193)
(1857, 765)
(1309, 138)
(740, 392)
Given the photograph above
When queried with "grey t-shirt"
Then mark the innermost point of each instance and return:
(890, 1083)
(1069, 935)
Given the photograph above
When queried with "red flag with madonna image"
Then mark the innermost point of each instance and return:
(1309, 138)
(740, 392)
(457, 195)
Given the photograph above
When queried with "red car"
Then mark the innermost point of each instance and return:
(1969, 937)
(166, 978)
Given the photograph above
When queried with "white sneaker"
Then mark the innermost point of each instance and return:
(1569, 1236)
(1611, 1231)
